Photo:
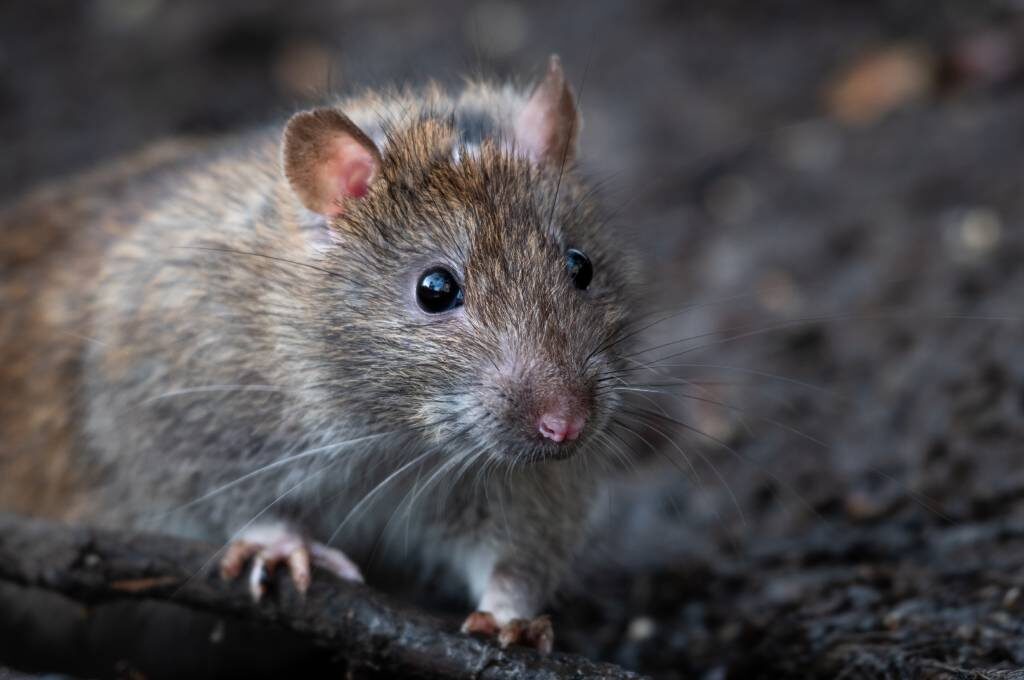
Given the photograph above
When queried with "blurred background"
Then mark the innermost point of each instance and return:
(833, 191)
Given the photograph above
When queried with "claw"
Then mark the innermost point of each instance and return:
(540, 635)
(536, 633)
(237, 554)
(336, 562)
(480, 623)
(512, 632)
(269, 546)
(258, 577)
(298, 567)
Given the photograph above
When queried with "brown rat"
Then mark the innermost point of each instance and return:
(393, 322)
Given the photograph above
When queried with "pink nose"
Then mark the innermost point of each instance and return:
(559, 427)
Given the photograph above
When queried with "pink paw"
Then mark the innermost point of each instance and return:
(536, 633)
(269, 546)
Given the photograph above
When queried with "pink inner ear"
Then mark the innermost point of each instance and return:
(346, 174)
(546, 126)
(535, 130)
(359, 174)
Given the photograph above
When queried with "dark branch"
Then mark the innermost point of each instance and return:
(369, 629)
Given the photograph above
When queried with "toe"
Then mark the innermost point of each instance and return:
(267, 548)
(235, 557)
(480, 623)
(298, 567)
(513, 633)
(536, 633)
(258, 577)
(335, 562)
(540, 635)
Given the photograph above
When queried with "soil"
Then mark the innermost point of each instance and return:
(833, 482)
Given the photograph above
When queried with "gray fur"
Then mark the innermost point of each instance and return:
(211, 361)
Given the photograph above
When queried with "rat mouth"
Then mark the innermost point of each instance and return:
(538, 450)
(512, 439)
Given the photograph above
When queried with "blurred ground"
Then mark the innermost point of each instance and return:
(837, 188)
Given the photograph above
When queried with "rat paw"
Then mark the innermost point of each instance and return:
(536, 633)
(272, 545)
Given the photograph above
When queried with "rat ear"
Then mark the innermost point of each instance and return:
(328, 160)
(548, 125)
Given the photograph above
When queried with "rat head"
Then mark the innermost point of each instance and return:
(476, 289)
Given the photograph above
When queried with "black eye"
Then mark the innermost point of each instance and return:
(437, 291)
(579, 267)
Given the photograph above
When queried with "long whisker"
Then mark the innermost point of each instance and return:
(735, 453)
(777, 423)
(377, 489)
(407, 502)
(750, 371)
(714, 469)
(310, 453)
(380, 486)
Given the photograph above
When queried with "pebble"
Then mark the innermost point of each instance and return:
(881, 82)
(972, 232)
(640, 628)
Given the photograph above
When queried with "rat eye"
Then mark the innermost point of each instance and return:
(437, 291)
(579, 268)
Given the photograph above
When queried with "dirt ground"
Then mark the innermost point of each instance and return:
(828, 200)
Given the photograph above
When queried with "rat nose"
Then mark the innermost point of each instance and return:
(559, 426)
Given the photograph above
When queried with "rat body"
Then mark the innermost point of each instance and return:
(387, 329)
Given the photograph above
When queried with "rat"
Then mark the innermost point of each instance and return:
(391, 325)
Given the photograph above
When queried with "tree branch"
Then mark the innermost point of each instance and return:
(369, 629)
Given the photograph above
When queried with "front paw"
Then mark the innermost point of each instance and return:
(536, 633)
(269, 546)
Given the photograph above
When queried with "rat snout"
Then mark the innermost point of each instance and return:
(545, 405)
(560, 426)
(561, 422)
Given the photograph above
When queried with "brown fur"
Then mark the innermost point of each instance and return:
(174, 327)
(51, 245)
